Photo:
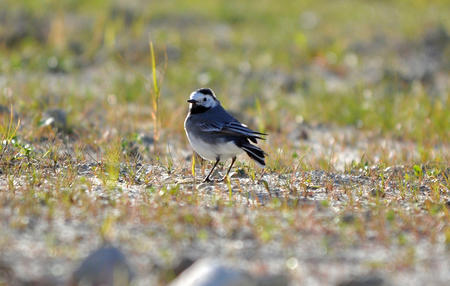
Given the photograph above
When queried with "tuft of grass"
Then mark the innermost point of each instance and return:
(112, 159)
(8, 129)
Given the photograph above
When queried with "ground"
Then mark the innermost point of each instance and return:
(353, 95)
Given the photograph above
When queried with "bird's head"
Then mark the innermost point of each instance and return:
(203, 99)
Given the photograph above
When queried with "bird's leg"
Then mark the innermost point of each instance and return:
(210, 172)
(229, 169)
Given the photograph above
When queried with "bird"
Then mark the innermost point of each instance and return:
(215, 135)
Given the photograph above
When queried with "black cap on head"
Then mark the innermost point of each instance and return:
(207, 91)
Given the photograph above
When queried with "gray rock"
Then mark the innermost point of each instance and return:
(105, 266)
(182, 264)
(211, 272)
(273, 280)
(369, 280)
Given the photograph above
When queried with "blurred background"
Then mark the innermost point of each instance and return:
(376, 65)
(354, 95)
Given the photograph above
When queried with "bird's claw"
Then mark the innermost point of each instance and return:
(223, 179)
(207, 180)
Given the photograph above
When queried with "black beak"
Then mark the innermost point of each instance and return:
(191, 101)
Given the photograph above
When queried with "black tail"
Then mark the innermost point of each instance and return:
(255, 153)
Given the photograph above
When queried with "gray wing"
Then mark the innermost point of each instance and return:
(226, 124)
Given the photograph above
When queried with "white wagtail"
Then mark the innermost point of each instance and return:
(217, 136)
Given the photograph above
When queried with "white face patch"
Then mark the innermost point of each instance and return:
(205, 100)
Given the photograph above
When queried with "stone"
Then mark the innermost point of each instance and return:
(105, 266)
(273, 280)
(182, 264)
(367, 280)
(211, 272)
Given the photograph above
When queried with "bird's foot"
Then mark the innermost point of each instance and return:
(207, 180)
(225, 178)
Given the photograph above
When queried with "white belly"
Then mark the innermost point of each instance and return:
(210, 152)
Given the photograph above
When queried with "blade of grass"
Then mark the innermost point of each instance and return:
(155, 94)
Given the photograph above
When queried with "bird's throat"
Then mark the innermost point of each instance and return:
(195, 109)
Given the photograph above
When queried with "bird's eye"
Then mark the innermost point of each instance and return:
(204, 99)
